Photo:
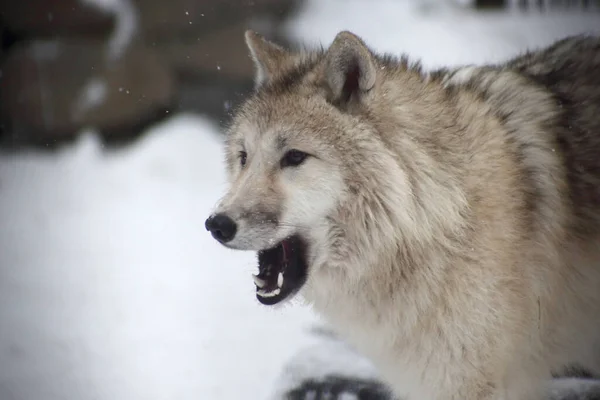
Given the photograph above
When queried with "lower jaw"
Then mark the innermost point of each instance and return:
(275, 300)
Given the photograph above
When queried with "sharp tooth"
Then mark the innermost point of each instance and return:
(280, 279)
(258, 281)
(273, 293)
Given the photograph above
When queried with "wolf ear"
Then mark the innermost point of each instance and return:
(267, 56)
(349, 67)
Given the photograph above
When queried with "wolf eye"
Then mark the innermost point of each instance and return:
(293, 158)
(243, 156)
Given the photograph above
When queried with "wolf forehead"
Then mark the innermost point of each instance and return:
(282, 115)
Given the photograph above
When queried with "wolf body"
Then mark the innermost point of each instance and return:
(447, 224)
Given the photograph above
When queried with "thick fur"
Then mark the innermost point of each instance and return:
(453, 218)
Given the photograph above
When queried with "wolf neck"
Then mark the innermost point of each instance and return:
(412, 208)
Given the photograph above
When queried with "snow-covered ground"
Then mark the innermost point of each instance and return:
(110, 285)
(110, 288)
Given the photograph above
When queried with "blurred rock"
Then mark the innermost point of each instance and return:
(51, 89)
(193, 18)
(206, 37)
(221, 52)
(189, 55)
(48, 18)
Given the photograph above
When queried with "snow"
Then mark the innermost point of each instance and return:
(436, 31)
(126, 24)
(112, 289)
(328, 356)
(93, 94)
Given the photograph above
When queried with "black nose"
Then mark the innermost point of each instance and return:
(221, 227)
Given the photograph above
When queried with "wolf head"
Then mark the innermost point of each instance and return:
(309, 168)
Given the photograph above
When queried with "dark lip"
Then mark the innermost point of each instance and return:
(294, 269)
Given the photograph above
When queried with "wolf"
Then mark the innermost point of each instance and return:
(445, 223)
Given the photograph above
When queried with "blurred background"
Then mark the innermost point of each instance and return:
(111, 122)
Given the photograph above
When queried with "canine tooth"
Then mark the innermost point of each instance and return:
(280, 279)
(273, 293)
(258, 282)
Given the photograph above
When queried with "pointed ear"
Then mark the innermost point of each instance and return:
(267, 56)
(349, 67)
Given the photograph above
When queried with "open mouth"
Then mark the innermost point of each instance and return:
(282, 270)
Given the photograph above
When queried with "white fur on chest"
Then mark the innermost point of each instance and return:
(383, 340)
